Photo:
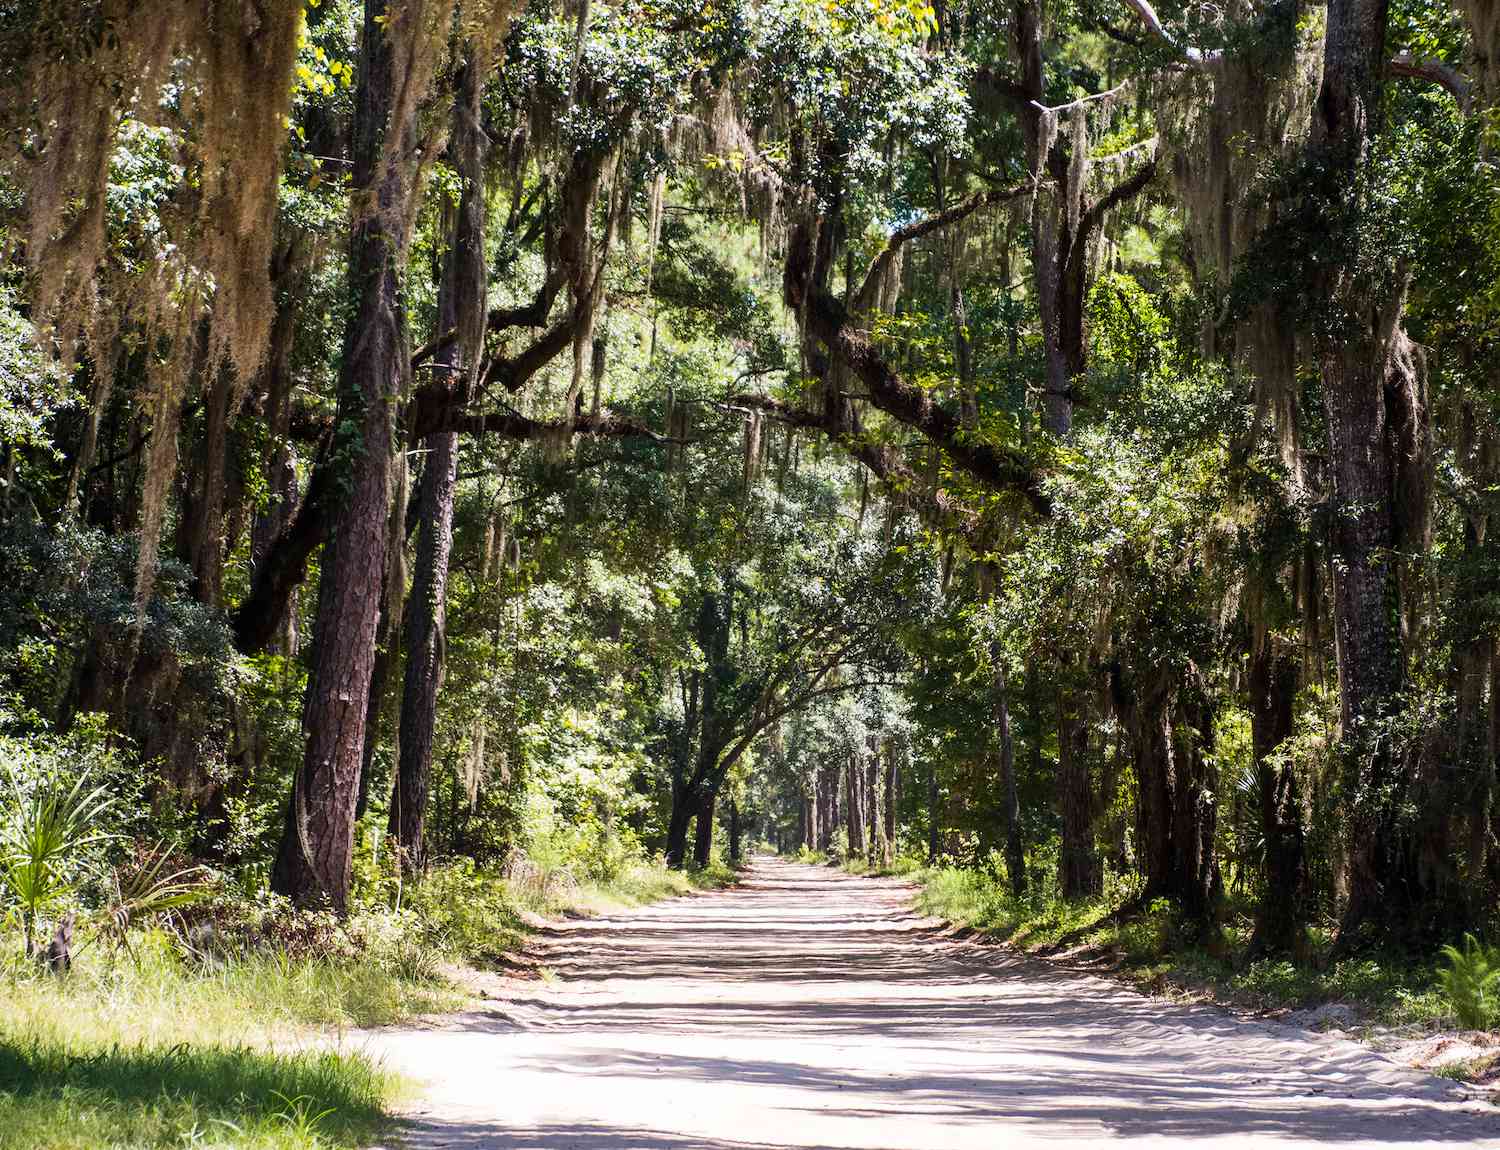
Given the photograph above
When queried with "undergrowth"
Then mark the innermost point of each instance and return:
(217, 1032)
(1150, 947)
(140, 1049)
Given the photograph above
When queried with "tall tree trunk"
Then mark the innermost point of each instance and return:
(1015, 850)
(1372, 407)
(854, 820)
(461, 309)
(313, 865)
(1080, 871)
(206, 522)
(1280, 913)
(1171, 740)
(734, 833)
(876, 846)
(684, 806)
(425, 642)
(892, 793)
(703, 839)
(934, 827)
(828, 805)
(1195, 865)
(1057, 393)
(1483, 830)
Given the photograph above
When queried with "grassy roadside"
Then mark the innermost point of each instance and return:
(142, 1048)
(1150, 950)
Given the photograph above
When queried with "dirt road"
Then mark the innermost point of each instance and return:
(808, 1009)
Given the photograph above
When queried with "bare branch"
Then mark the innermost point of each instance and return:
(1402, 64)
(1197, 57)
(1116, 90)
(433, 412)
(925, 226)
(1434, 71)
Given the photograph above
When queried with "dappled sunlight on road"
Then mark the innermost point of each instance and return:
(810, 1009)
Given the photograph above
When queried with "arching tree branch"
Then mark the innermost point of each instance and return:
(1434, 71)
(1402, 64)
(829, 324)
(925, 226)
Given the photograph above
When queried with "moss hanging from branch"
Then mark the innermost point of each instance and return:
(1223, 125)
(230, 67)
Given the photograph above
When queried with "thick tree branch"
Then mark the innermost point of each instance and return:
(1434, 71)
(1002, 86)
(433, 411)
(258, 617)
(534, 313)
(884, 460)
(1126, 189)
(513, 372)
(827, 322)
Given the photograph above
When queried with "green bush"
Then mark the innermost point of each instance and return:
(1471, 982)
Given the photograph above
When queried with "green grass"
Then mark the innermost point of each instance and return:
(646, 883)
(902, 866)
(479, 918)
(146, 1053)
(1480, 1069)
(77, 1094)
(140, 1050)
(1150, 949)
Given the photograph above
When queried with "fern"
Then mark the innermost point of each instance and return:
(1472, 982)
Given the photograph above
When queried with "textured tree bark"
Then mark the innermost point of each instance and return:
(892, 794)
(387, 637)
(1372, 406)
(425, 644)
(1281, 910)
(461, 308)
(1015, 850)
(703, 837)
(314, 860)
(854, 820)
(1080, 870)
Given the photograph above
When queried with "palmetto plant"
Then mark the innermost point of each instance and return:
(150, 887)
(1472, 982)
(47, 827)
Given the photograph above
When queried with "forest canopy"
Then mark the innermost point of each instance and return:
(1056, 439)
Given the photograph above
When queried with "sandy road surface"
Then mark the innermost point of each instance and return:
(808, 1009)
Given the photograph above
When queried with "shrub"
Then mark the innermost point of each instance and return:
(1471, 982)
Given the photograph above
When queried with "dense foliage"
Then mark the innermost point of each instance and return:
(1057, 440)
